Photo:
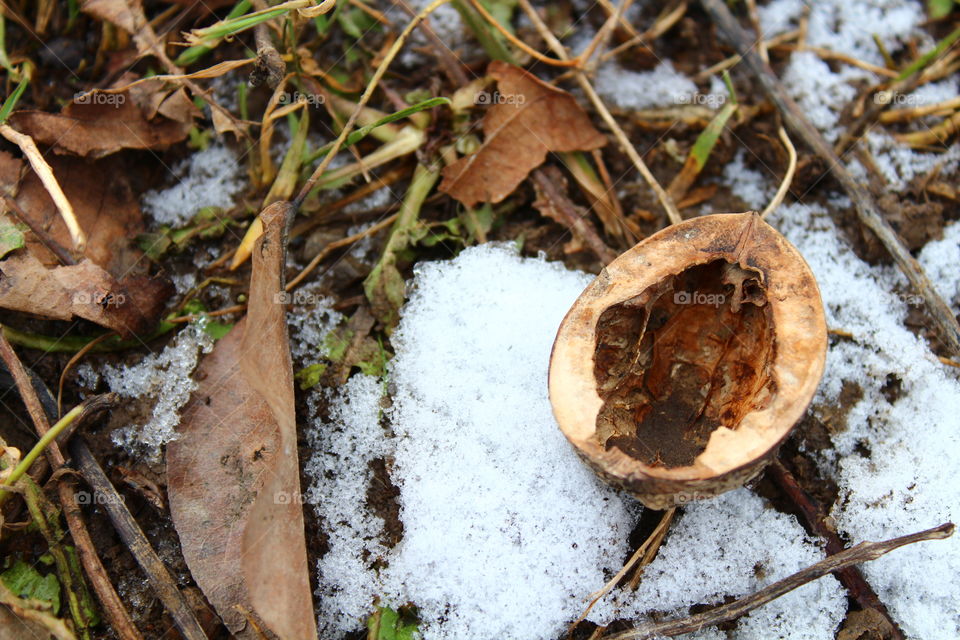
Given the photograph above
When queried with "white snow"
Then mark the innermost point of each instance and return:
(506, 532)
(664, 86)
(732, 546)
(163, 378)
(208, 178)
(496, 547)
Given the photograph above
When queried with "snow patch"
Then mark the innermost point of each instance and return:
(209, 178)
(164, 377)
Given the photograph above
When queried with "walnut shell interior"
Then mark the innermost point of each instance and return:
(688, 360)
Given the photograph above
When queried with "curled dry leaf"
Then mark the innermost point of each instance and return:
(111, 286)
(526, 119)
(81, 290)
(684, 365)
(103, 123)
(232, 476)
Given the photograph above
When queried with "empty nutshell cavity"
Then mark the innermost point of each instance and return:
(681, 368)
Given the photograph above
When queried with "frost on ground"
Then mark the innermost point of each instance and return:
(210, 178)
(505, 531)
(162, 379)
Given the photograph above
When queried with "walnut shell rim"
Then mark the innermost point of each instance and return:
(732, 456)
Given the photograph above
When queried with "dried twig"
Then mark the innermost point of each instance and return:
(867, 210)
(850, 577)
(137, 543)
(863, 552)
(113, 607)
(653, 541)
(548, 184)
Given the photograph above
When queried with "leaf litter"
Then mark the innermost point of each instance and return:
(474, 457)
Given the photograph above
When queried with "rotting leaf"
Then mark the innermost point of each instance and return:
(99, 127)
(25, 581)
(131, 306)
(234, 469)
(526, 119)
(11, 236)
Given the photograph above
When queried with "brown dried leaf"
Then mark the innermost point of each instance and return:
(104, 203)
(102, 124)
(233, 477)
(527, 119)
(83, 290)
(111, 286)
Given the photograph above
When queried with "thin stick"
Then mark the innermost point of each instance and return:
(851, 577)
(672, 212)
(364, 99)
(45, 173)
(62, 255)
(863, 552)
(784, 138)
(338, 244)
(641, 552)
(73, 360)
(131, 534)
(113, 607)
(867, 211)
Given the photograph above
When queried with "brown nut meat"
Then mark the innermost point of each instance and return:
(681, 368)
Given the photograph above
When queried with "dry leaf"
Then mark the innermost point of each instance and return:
(526, 119)
(104, 203)
(111, 287)
(233, 477)
(83, 290)
(102, 124)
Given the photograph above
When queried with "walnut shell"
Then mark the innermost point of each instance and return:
(681, 368)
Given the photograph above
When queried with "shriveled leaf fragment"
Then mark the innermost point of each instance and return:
(233, 476)
(25, 581)
(11, 236)
(99, 126)
(526, 119)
